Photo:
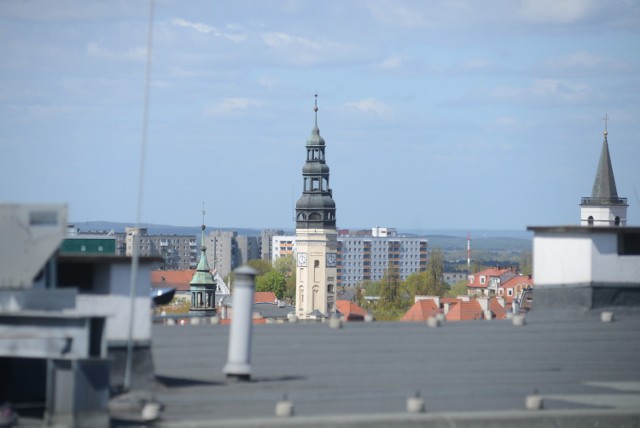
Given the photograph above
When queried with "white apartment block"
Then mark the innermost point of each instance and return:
(366, 258)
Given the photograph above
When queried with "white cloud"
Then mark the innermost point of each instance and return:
(302, 51)
(542, 91)
(393, 62)
(132, 54)
(585, 62)
(477, 65)
(230, 105)
(234, 34)
(558, 12)
(395, 14)
(369, 105)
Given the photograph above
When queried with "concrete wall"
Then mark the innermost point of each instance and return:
(581, 258)
(115, 305)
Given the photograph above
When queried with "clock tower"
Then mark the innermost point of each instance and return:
(316, 235)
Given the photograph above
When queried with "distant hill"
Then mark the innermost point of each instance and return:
(447, 240)
(155, 229)
(448, 243)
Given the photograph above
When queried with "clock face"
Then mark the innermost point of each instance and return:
(302, 259)
(331, 260)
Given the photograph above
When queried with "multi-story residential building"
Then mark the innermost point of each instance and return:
(226, 250)
(283, 245)
(177, 251)
(363, 257)
(366, 258)
(265, 242)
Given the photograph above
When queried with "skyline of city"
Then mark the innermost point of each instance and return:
(441, 116)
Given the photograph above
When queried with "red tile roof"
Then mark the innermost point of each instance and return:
(487, 274)
(464, 311)
(497, 309)
(264, 297)
(178, 279)
(518, 280)
(350, 310)
(421, 310)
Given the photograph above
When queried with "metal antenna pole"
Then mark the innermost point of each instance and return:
(135, 255)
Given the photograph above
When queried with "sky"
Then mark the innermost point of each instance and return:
(457, 114)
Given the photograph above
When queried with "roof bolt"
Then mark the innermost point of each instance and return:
(415, 404)
(170, 321)
(293, 319)
(518, 320)
(433, 322)
(368, 318)
(335, 322)
(534, 401)
(151, 411)
(284, 408)
(606, 316)
(215, 320)
(194, 321)
(440, 317)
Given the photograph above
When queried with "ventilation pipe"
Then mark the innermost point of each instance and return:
(238, 365)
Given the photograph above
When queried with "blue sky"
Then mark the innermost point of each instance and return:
(439, 114)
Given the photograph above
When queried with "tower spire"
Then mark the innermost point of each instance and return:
(604, 207)
(315, 109)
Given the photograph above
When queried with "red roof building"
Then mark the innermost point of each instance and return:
(513, 287)
(487, 281)
(178, 279)
(350, 310)
(421, 311)
(465, 311)
(264, 297)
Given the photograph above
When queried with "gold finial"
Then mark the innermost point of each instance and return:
(606, 119)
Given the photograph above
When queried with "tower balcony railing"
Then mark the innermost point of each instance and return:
(603, 201)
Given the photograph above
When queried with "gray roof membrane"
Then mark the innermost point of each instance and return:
(586, 371)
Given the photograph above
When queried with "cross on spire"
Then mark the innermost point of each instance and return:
(606, 119)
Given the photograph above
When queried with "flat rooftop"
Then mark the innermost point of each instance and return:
(362, 374)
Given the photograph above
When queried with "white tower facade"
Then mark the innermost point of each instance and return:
(316, 235)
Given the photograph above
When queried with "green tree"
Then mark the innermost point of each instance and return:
(458, 289)
(526, 263)
(272, 281)
(287, 266)
(262, 266)
(435, 269)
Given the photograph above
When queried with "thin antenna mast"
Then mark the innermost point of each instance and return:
(135, 247)
(468, 252)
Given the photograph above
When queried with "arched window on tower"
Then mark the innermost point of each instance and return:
(315, 184)
(315, 217)
(590, 220)
(301, 217)
(617, 221)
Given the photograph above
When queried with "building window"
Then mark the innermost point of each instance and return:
(482, 280)
(617, 221)
(629, 244)
(590, 220)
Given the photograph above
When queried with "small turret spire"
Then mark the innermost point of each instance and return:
(203, 228)
(315, 108)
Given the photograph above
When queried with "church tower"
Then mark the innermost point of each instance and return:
(203, 284)
(316, 235)
(604, 207)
